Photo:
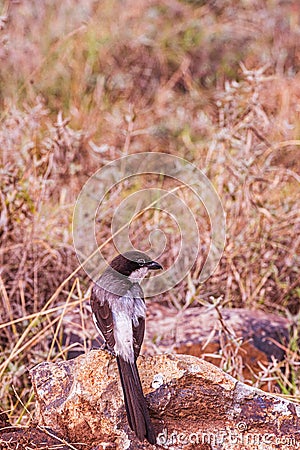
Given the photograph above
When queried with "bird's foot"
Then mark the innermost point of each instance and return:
(108, 349)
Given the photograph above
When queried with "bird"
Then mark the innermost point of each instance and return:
(119, 312)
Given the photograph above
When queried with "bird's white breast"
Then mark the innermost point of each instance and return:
(127, 312)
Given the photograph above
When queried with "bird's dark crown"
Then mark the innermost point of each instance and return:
(130, 261)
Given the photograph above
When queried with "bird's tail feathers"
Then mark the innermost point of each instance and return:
(135, 403)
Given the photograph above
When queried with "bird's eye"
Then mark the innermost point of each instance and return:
(141, 261)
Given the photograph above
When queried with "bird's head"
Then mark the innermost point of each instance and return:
(134, 264)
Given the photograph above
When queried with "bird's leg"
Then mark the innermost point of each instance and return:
(107, 348)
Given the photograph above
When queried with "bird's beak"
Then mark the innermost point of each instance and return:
(153, 265)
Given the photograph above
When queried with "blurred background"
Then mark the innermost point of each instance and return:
(83, 82)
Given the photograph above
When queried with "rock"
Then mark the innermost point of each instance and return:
(191, 402)
(261, 336)
(14, 438)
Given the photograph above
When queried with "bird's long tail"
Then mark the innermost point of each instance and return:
(135, 403)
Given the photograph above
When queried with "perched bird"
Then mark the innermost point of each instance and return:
(119, 311)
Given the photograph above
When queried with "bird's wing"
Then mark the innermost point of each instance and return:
(102, 314)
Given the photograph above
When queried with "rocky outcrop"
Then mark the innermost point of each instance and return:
(30, 438)
(255, 337)
(192, 403)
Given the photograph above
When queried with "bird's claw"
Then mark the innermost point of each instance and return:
(106, 348)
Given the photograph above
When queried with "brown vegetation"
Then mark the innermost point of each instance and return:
(83, 83)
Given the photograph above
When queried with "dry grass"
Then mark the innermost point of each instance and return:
(85, 82)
